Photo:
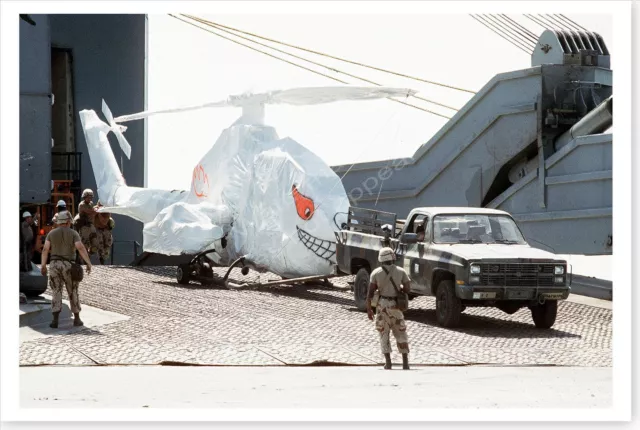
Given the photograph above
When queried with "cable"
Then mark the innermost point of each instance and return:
(537, 21)
(569, 24)
(507, 39)
(489, 24)
(562, 24)
(516, 36)
(498, 25)
(318, 64)
(332, 56)
(530, 35)
(573, 22)
(298, 65)
(550, 23)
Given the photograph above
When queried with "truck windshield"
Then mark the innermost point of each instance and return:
(476, 229)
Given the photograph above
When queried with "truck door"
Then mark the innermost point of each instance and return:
(412, 255)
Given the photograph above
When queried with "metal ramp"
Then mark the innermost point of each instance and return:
(541, 119)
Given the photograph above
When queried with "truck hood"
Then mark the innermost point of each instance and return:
(477, 251)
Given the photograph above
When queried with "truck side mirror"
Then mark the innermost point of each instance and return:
(409, 238)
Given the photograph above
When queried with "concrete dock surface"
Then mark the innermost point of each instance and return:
(475, 387)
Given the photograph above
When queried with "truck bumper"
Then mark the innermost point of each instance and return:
(473, 292)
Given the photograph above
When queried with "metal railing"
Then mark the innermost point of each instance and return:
(71, 170)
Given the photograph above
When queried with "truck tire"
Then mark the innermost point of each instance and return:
(361, 289)
(448, 306)
(183, 274)
(544, 316)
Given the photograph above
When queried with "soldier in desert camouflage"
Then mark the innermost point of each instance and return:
(387, 280)
(62, 243)
(84, 222)
(104, 225)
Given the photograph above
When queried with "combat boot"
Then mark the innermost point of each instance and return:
(387, 361)
(77, 322)
(405, 361)
(54, 322)
(101, 260)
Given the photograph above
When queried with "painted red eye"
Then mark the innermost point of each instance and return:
(304, 205)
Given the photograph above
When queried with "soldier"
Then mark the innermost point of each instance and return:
(28, 238)
(104, 224)
(386, 279)
(84, 222)
(62, 242)
(420, 231)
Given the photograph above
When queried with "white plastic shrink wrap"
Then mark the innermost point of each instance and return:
(272, 200)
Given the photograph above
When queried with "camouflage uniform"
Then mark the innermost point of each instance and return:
(62, 242)
(87, 230)
(388, 279)
(390, 319)
(59, 275)
(104, 224)
(26, 247)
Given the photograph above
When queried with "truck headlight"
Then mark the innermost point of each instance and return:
(558, 270)
(474, 269)
(474, 279)
(559, 279)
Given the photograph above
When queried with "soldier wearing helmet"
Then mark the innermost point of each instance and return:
(387, 280)
(59, 251)
(104, 224)
(28, 234)
(84, 222)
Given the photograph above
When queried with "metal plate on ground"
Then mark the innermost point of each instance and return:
(301, 325)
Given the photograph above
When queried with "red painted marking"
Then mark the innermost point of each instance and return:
(304, 204)
(200, 182)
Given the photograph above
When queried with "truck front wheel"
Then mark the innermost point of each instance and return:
(361, 289)
(544, 315)
(448, 306)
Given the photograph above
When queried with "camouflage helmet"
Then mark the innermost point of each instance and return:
(386, 255)
(87, 193)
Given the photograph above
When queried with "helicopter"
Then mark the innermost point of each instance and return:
(256, 199)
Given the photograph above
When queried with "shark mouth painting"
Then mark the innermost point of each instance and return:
(324, 249)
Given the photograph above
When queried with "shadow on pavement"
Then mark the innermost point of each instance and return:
(485, 326)
(474, 325)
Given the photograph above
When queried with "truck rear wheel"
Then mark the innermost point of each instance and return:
(361, 289)
(544, 315)
(448, 306)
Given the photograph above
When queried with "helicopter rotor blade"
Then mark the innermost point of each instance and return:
(294, 96)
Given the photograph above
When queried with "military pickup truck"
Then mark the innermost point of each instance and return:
(463, 256)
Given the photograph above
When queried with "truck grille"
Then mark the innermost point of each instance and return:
(517, 275)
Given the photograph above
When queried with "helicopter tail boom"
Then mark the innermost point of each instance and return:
(142, 204)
